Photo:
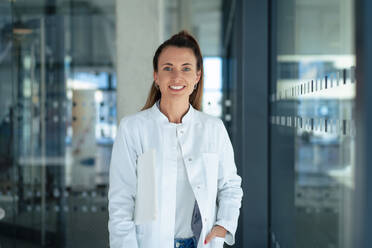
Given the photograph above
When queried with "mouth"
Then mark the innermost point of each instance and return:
(176, 87)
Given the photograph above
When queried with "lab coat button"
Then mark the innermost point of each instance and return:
(190, 159)
(181, 132)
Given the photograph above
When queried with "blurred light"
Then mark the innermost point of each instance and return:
(80, 85)
(68, 59)
(27, 87)
(27, 62)
(323, 110)
(212, 73)
(212, 86)
(98, 96)
(22, 31)
(69, 94)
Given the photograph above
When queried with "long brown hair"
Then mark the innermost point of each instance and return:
(182, 39)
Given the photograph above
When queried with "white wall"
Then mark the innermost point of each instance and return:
(139, 29)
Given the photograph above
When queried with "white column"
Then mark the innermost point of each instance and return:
(139, 29)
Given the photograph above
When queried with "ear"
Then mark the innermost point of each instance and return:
(155, 76)
(198, 75)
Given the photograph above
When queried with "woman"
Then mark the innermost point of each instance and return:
(196, 188)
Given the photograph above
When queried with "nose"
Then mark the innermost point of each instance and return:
(176, 75)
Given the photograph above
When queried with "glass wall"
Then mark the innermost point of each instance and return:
(58, 121)
(312, 124)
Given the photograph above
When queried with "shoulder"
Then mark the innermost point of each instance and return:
(209, 120)
(215, 129)
(214, 125)
(130, 127)
(134, 120)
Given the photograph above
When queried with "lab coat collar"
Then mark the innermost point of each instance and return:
(158, 115)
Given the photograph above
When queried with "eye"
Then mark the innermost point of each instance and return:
(186, 69)
(167, 68)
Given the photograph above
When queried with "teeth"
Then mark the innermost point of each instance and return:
(177, 87)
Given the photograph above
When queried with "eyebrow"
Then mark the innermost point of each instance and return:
(172, 64)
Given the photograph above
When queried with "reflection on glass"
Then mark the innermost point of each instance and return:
(313, 99)
(58, 100)
(324, 152)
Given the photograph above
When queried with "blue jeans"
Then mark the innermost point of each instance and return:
(185, 243)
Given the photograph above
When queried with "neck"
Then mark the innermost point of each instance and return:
(174, 110)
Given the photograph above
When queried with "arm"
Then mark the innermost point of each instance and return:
(229, 193)
(122, 191)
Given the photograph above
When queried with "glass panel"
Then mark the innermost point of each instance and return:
(58, 121)
(6, 123)
(312, 108)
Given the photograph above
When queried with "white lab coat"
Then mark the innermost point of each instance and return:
(210, 166)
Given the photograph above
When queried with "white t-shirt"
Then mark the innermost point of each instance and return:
(185, 199)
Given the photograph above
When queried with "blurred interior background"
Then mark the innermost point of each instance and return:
(280, 74)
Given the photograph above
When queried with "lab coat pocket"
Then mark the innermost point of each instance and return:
(217, 242)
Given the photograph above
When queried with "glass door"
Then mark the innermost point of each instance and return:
(34, 162)
(313, 124)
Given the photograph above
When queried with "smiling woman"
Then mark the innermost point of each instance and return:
(177, 61)
(176, 78)
(177, 71)
(191, 195)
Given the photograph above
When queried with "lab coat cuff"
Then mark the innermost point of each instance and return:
(227, 216)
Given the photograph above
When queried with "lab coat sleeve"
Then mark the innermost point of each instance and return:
(122, 191)
(230, 193)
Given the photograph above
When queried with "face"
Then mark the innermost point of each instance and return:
(177, 72)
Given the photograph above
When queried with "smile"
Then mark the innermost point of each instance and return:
(178, 87)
